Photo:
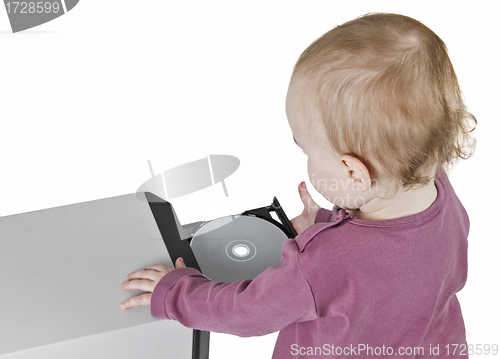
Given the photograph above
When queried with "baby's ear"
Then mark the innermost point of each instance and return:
(356, 171)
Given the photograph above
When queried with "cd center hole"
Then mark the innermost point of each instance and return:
(241, 250)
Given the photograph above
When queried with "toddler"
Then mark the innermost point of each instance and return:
(376, 106)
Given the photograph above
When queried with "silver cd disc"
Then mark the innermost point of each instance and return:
(239, 247)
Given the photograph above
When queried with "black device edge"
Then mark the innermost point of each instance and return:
(166, 220)
(283, 218)
(265, 213)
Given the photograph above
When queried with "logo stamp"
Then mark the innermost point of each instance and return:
(28, 14)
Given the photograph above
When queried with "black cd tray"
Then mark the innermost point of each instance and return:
(177, 240)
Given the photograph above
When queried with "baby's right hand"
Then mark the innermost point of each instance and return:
(308, 215)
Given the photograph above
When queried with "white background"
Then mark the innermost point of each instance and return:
(87, 99)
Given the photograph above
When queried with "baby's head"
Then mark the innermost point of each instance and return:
(377, 99)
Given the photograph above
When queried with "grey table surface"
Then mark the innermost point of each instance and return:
(61, 270)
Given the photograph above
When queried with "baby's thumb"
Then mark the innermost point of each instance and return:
(305, 196)
(179, 263)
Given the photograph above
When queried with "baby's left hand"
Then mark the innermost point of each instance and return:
(146, 280)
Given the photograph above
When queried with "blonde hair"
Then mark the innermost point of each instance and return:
(386, 92)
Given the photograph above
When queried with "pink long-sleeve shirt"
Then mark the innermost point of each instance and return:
(344, 287)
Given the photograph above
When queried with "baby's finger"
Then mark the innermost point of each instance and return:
(158, 267)
(179, 263)
(304, 193)
(306, 197)
(143, 299)
(145, 285)
(144, 274)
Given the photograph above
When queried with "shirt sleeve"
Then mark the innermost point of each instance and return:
(277, 297)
